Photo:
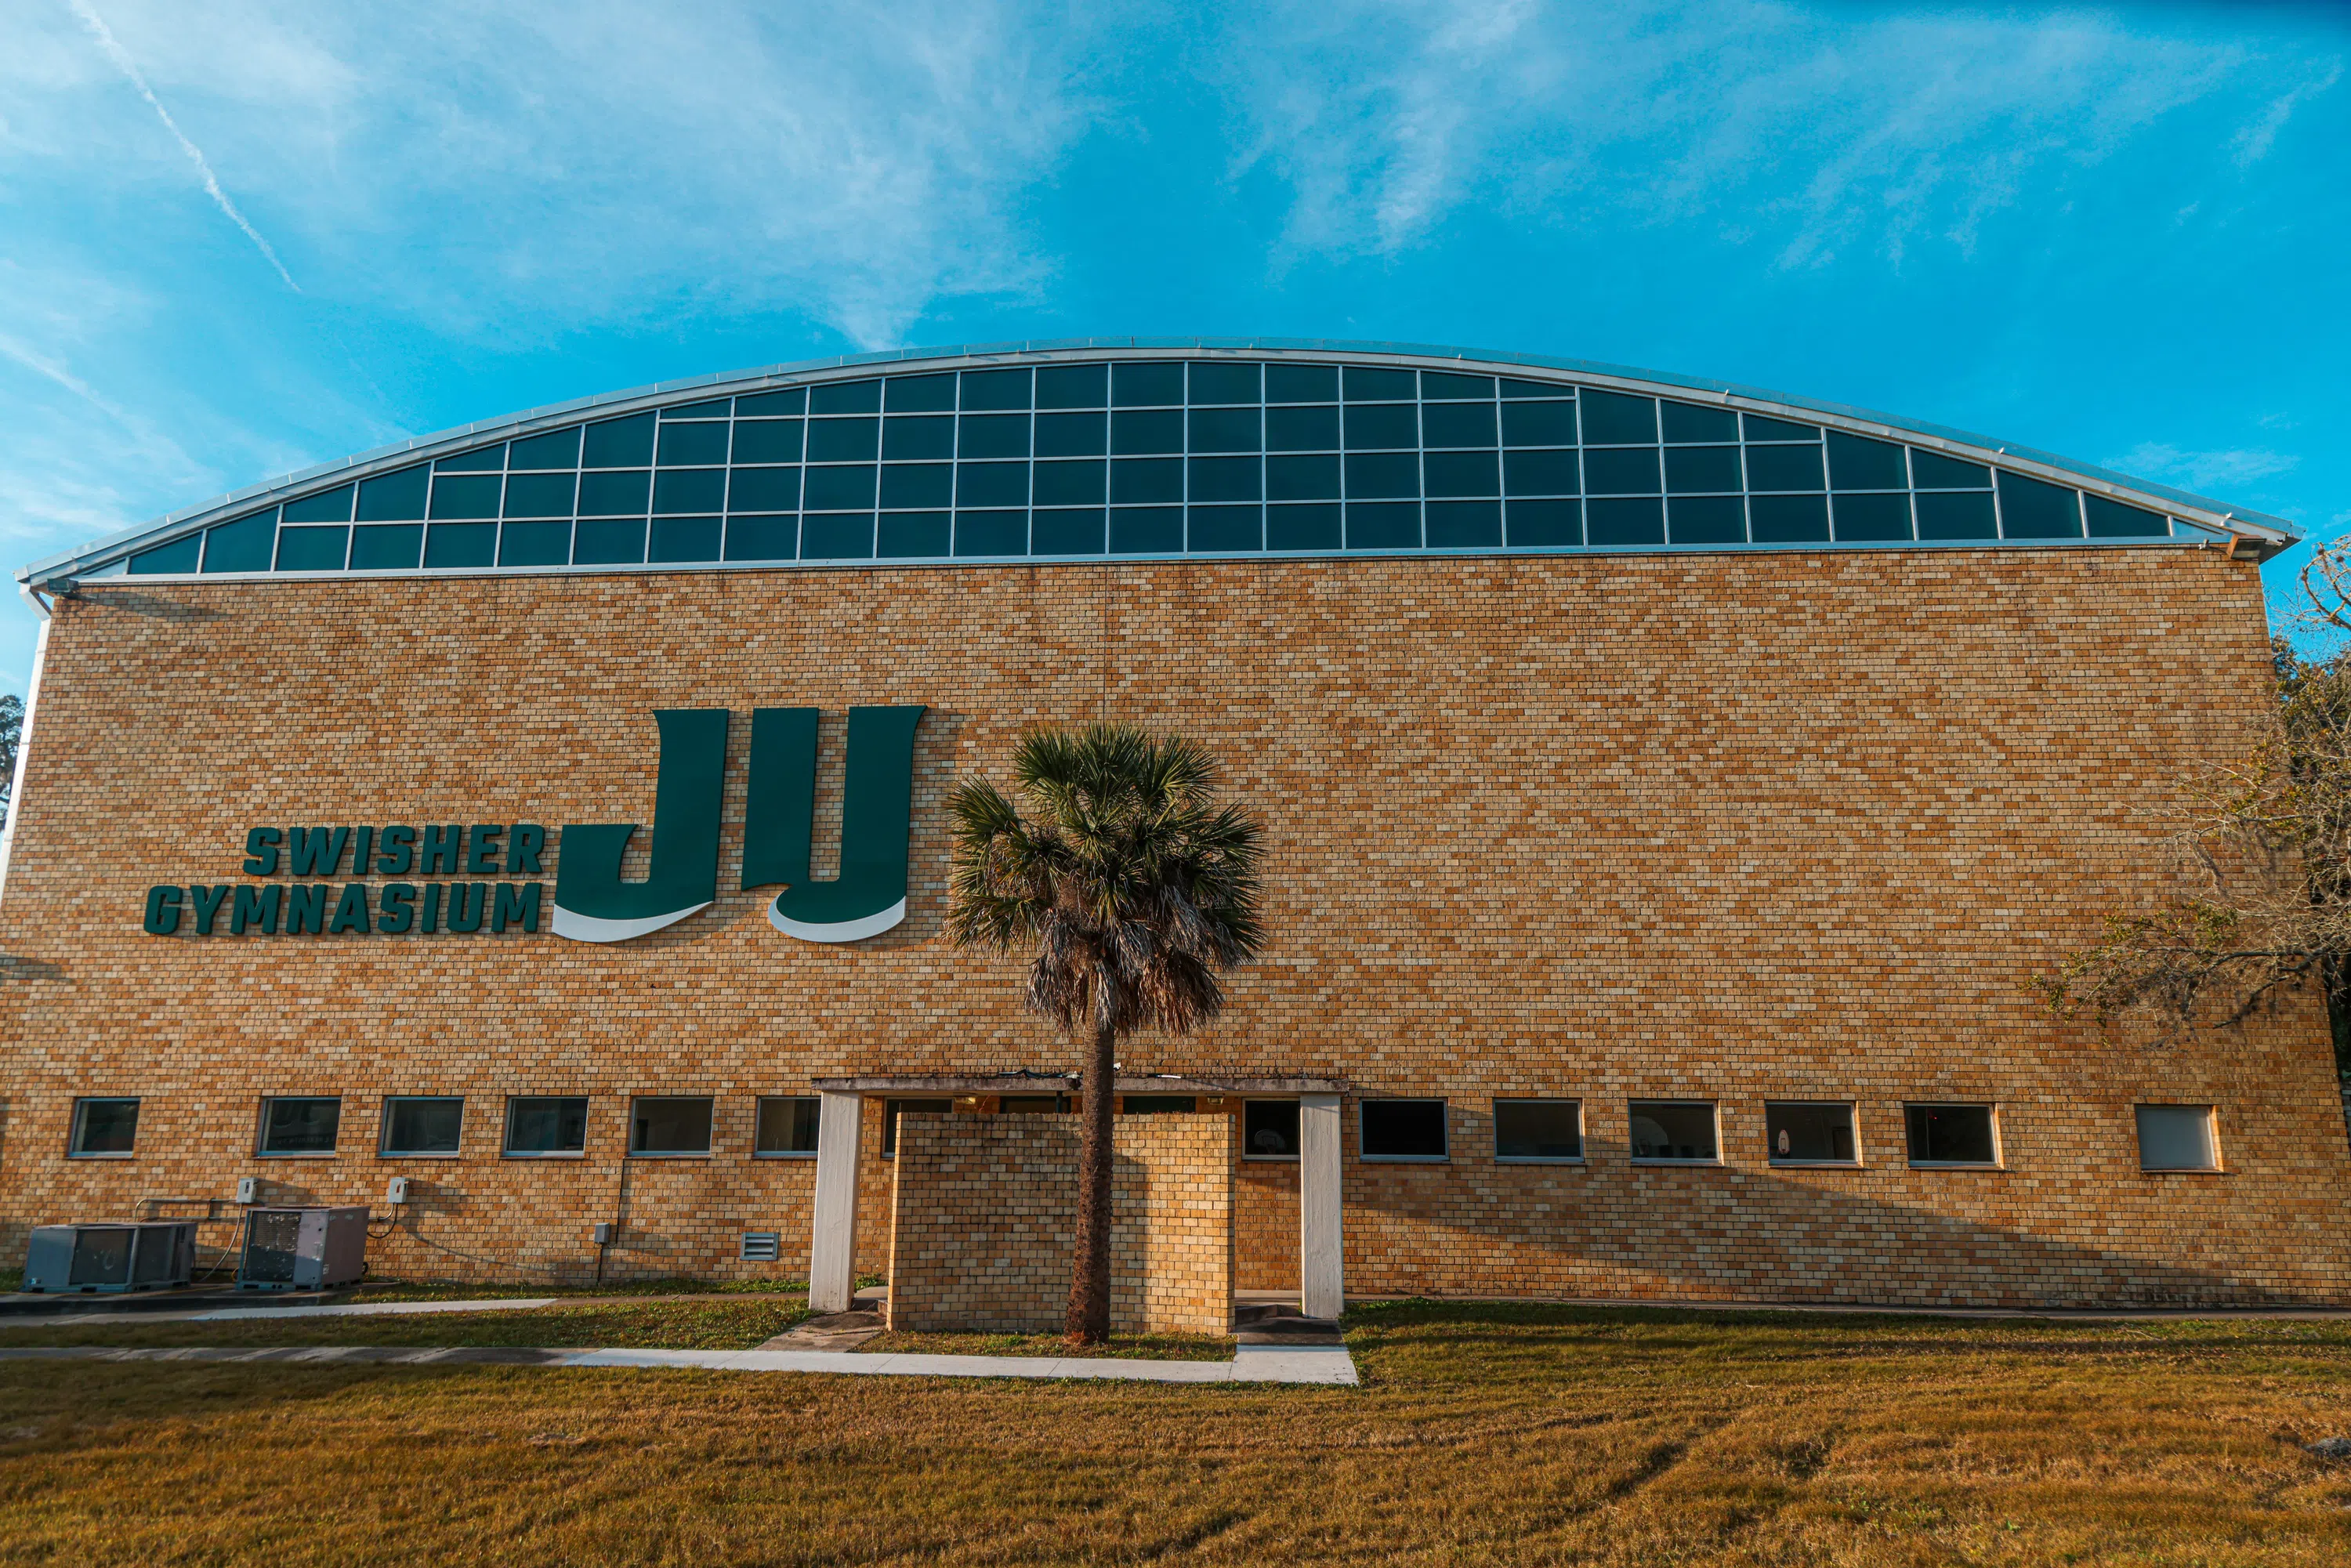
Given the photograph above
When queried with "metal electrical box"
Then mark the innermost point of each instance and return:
(140, 1255)
(302, 1248)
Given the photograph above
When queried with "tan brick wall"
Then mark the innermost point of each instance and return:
(985, 1221)
(1745, 827)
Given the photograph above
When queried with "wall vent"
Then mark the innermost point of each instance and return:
(762, 1246)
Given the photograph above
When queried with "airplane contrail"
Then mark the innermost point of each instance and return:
(128, 68)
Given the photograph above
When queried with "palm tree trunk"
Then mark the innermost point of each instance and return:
(1087, 1319)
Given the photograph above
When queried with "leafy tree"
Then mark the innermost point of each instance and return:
(1133, 890)
(12, 730)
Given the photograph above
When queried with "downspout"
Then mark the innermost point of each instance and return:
(31, 596)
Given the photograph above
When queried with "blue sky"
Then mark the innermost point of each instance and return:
(241, 238)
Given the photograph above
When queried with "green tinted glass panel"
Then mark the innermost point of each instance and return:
(535, 544)
(609, 541)
(679, 491)
(1383, 525)
(1539, 424)
(245, 544)
(1761, 429)
(991, 533)
(1225, 479)
(1139, 433)
(1225, 529)
(919, 394)
(1306, 429)
(709, 408)
(541, 494)
(692, 446)
(1226, 430)
(1955, 515)
(1444, 384)
(1784, 468)
(1464, 525)
(1695, 421)
(180, 556)
(452, 546)
(1303, 527)
(1372, 475)
(777, 440)
(993, 435)
(488, 460)
(839, 489)
(1512, 388)
(466, 495)
(1788, 520)
(1540, 474)
(1706, 520)
(2029, 509)
(1072, 386)
(845, 397)
(1544, 525)
(619, 444)
(1614, 418)
(1465, 473)
(1146, 530)
(1145, 386)
(309, 549)
(1625, 521)
(682, 539)
(1079, 531)
(387, 547)
(837, 536)
(757, 490)
(927, 486)
(767, 538)
(1383, 426)
(1072, 434)
(917, 440)
(843, 440)
(903, 535)
(1696, 469)
(1303, 383)
(1225, 382)
(556, 449)
(771, 405)
(1933, 471)
(1613, 471)
(991, 484)
(1875, 518)
(1857, 463)
(328, 507)
(2108, 521)
(396, 498)
(1371, 383)
(1146, 479)
(615, 494)
(1456, 424)
(995, 389)
(1314, 478)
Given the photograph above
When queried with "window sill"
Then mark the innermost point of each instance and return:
(268, 1154)
(542, 1154)
(2183, 1170)
(1541, 1160)
(418, 1154)
(669, 1155)
(1405, 1159)
(783, 1155)
(1271, 1159)
(1653, 1160)
(1815, 1165)
(103, 1155)
(1956, 1166)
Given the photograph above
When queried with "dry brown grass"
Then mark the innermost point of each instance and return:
(733, 1324)
(1127, 1347)
(1484, 1435)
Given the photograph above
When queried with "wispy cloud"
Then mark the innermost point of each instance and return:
(2203, 470)
(2254, 142)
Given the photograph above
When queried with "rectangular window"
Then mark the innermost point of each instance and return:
(1679, 1131)
(1159, 1105)
(670, 1124)
(1811, 1132)
(422, 1124)
(103, 1129)
(1032, 1104)
(2177, 1138)
(305, 1125)
(786, 1127)
(1403, 1130)
(1269, 1129)
(1539, 1131)
(893, 1109)
(546, 1125)
(1951, 1135)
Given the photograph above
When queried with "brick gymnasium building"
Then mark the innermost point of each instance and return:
(1668, 788)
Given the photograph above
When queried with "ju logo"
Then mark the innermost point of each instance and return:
(593, 904)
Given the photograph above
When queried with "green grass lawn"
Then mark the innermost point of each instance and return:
(1482, 1435)
(726, 1323)
(1131, 1348)
(422, 1290)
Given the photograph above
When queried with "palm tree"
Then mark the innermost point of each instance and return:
(1133, 890)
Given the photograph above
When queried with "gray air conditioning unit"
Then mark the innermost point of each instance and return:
(302, 1248)
(148, 1255)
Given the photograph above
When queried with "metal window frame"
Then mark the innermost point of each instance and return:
(383, 1149)
(1852, 1109)
(1444, 1124)
(1998, 1160)
(758, 1109)
(74, 1125)
(710, 1135)
(1714, 1111)
(2212, 1109)
(507, 1151)
(1583, 1132)
(261, 1150)
(1246, 1154)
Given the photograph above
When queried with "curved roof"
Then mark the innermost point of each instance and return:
(1080, 448)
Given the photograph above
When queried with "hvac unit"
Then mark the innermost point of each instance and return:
(149, 1255)
(302, 1248)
